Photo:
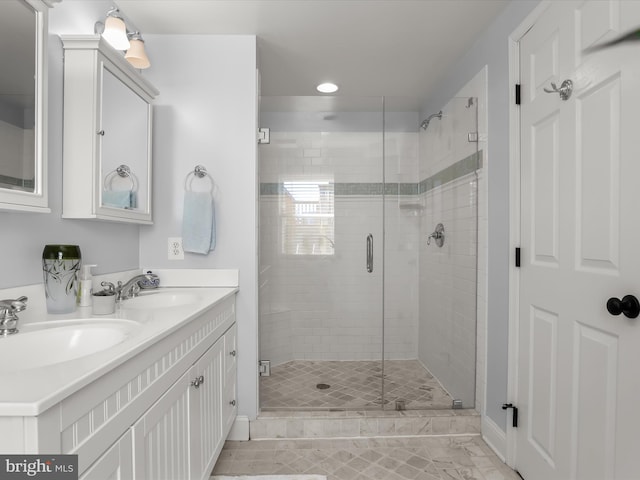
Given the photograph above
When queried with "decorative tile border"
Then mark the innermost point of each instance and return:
(459, 169)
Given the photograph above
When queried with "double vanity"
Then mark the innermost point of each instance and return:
(147, 392)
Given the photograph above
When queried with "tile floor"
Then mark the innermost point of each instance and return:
(462, 457)
(353, 385)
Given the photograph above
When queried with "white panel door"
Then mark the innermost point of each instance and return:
(206, 405)
(580, 168)
(163, 436)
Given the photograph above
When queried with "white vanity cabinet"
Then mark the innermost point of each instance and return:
(116, 463)
(230, 387)
(182, 435)
(107, 156)
(164, 413)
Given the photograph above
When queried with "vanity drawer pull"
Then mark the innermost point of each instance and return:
(198, 381)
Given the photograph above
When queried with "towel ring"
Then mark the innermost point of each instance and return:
(199, 172)
(123, 171)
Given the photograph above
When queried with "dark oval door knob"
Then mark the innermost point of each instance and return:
(629, 305)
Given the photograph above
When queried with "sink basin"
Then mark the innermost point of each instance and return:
(161, 300)
(51, 344)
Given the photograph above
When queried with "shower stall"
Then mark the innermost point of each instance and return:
(368, 254)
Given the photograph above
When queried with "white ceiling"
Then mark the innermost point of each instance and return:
(368, 47)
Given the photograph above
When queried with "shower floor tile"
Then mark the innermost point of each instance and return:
(352, 385)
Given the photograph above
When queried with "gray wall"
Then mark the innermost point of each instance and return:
(206, 114)
(492, 50)
(112, 246)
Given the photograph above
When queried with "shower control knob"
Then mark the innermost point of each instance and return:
(629, 306)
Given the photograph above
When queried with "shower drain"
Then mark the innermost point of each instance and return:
(323, 386)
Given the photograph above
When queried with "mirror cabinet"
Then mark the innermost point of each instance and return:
(107, 134)
(23, 100)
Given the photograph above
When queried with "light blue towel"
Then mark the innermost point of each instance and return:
(119, 198)
(198, 223)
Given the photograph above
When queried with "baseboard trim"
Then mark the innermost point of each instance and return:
(240, 429)
(493, 435)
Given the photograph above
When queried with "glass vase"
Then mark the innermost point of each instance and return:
(60, 267)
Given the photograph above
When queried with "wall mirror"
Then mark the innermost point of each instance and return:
(125, 145)
(23, 166)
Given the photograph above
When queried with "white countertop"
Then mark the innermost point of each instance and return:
(29, 392)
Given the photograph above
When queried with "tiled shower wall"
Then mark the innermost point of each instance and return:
(329, 307)
(448, 274)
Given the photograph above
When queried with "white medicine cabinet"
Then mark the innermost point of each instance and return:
(107, 157)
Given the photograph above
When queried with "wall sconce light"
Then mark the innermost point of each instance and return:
(115, 30)
(136, 54)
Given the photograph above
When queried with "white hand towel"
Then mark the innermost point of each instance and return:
(198, 223)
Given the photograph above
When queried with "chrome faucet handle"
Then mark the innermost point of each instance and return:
(108, 286)
(437, 235)
(150, 280)
(135, 290)
(14, 305)
(8, 317)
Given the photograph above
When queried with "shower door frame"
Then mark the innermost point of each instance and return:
(354, 189)
(385, 195)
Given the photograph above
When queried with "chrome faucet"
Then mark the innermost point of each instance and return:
(133, 286)
(8, 317)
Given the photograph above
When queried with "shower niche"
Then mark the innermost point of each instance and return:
(372, 183)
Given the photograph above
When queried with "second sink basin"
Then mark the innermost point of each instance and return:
(48, 345)
(154, 300)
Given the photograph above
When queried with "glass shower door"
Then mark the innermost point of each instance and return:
(321, 253)
(431, 258)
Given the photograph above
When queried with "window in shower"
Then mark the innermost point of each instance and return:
(307, 218)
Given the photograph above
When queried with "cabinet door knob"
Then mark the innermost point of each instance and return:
(233, 353)
(198, 381)
(100, 132)
(232, 403)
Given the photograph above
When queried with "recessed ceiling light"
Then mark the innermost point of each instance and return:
(327, 88)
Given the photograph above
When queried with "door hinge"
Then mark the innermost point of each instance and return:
(517, 94)
(263, 135)
(264, 368)
(518, 257)
(514, 415)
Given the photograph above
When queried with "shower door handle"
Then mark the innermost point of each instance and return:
(370, 253)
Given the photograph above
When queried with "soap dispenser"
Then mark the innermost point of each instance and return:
(85, 287)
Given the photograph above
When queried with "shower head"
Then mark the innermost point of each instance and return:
(425, 123)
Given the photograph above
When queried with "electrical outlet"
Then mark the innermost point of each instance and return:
(175, 249)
